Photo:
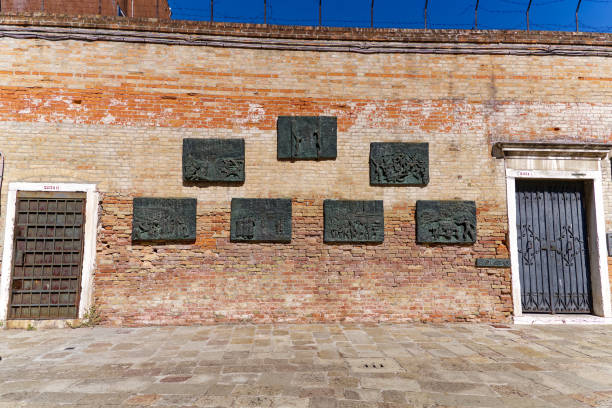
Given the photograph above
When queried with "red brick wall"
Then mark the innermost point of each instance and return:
(215, 280)
(142, 8)
(115, 113)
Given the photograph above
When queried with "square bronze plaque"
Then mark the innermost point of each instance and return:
(260, 220)
(353, 221)
(399, 164)
(306, 137)
(446, 222)
(164, 219)
(213, 160)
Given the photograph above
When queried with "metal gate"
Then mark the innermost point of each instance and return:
(552, 247)
(47, 255)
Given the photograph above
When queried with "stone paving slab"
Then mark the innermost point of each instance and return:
(309, 366)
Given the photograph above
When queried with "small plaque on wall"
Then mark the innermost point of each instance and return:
(399, 163)
(493, 263)
(609, 242)
(164, 219)
(446, 222)
(260, 220)
(306, 137)
(213, 160)
(353, 221)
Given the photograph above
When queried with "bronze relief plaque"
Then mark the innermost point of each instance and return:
(306, 137)
(493, 263)
(260, 220)
(213, 160)
(399, 164)
(353, 221)
(446, 222)
(164, 219)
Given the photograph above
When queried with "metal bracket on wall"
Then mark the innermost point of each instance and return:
(577, 9)
(527, 13)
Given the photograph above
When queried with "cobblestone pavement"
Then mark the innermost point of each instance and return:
(318, 366)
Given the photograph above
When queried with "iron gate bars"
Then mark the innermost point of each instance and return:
(553, 247)
(47, 255)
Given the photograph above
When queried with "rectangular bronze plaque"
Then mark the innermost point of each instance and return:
(492, 263)
(260, 220)
(353, 221)
(446, 222)
(306, 137)
(399, 163)
(164, 219)
(213, 160)
(609, 242)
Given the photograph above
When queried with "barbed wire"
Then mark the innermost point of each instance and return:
(516, 3)
(543, 25)
(501, 11)
(597, 28)
(549, 2)
(459, 25)
(184, 9)
(538, 3)
(466, 10)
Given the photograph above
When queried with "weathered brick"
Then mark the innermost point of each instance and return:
(115, 114)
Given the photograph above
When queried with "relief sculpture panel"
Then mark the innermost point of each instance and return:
(306, 137)
(448, 222)
(260, 220)
(164, 219)
(213, 160)
(353, 221)
(399, 163)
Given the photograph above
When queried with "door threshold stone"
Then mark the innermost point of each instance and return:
(561, 319)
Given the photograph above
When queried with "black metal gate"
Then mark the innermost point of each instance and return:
(47, 255)
(552, 247)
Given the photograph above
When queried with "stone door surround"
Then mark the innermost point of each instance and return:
(561, 161)
(89, 250)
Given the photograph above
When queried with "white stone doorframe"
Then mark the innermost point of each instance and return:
(89, 248)
(562, 162)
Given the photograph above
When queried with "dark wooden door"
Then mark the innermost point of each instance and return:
(47, 255)
(552, 247)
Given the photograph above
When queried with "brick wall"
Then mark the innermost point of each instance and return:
(115, 114)
(141, 8)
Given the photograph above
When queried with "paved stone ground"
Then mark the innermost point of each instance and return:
(309, 366)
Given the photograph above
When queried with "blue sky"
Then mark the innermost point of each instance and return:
(556, 15)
